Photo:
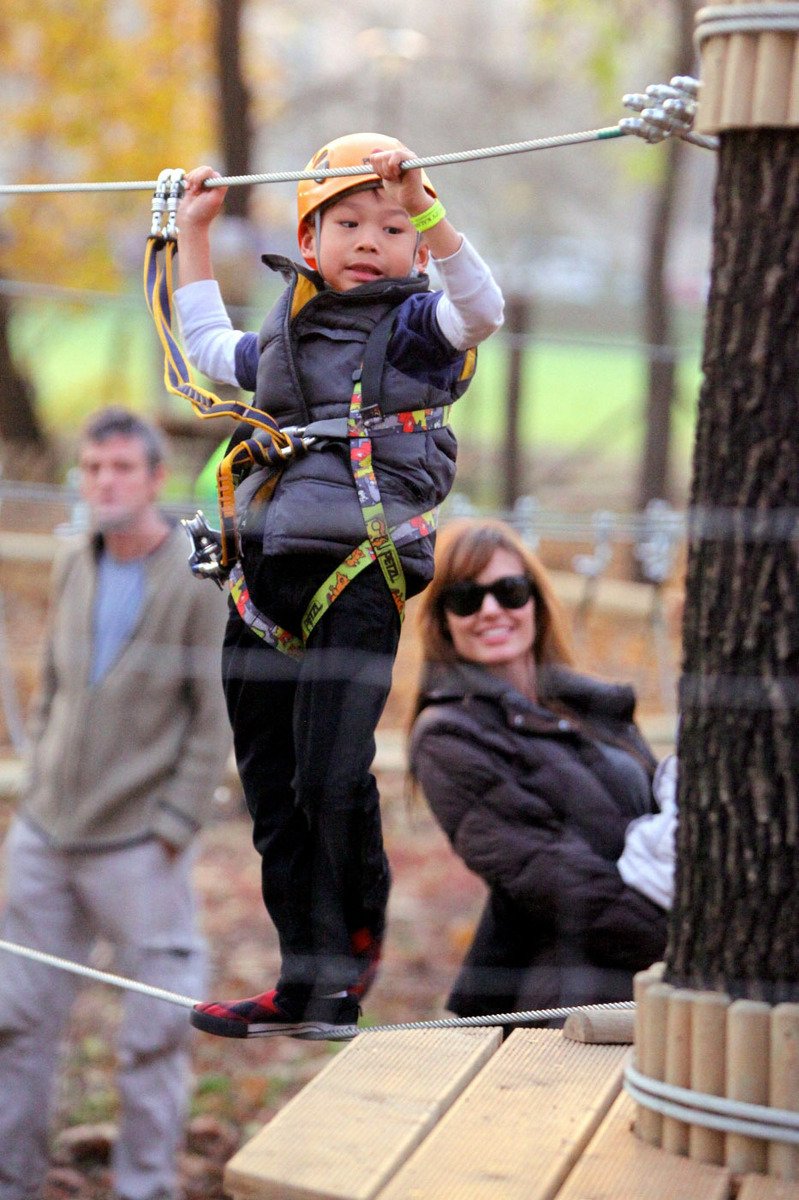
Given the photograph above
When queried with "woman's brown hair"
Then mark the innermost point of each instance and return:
(464, 548)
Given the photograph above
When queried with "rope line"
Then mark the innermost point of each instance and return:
(512, 1018)
(435, 160)
(345, 1032)
(684, 1104)
(713, 1112)
(130, 985)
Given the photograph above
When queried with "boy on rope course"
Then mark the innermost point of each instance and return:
(358, 362)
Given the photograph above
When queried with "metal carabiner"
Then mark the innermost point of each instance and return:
(177, 186)
(205, 560)
(158, 206)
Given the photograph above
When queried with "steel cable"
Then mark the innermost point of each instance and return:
(435, 160)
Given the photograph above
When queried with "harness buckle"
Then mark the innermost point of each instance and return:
(299, 440)
(370, 413)
(205, 560)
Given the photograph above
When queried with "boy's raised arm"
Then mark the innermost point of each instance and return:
(196, 211)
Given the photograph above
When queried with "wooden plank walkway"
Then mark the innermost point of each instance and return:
(758, 1187)
(619, 1166)
(350, 1128)
(458, 1114)
(483, 1149)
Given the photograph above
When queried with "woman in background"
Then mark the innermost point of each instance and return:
(534, 773)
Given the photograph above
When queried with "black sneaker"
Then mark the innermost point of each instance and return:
(333, 1017)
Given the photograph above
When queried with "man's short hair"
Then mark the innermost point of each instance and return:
(115, 421)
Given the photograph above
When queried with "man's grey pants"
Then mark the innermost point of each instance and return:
(62, 903)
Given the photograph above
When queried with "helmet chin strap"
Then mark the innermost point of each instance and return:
(317, 225)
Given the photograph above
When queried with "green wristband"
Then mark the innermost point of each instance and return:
(430, 217)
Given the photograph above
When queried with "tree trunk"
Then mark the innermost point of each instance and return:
(517, 325)
(735, 922)
(658, 333)
(25, 451)
(234, 103)
(654, 481)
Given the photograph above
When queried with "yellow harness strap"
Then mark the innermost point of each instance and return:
(274, 451)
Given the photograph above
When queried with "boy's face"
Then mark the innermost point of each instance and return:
(365, 236)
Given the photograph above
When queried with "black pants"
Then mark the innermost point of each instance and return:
(304, 742)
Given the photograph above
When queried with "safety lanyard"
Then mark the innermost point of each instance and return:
(271, 447)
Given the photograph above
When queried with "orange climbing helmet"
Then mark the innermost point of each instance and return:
(352, 150)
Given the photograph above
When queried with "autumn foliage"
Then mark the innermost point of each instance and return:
(97, 91)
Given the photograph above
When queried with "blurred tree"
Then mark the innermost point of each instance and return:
(93, 90)
(604, 33)
(654, 480)
(235, 121)
(233, 259)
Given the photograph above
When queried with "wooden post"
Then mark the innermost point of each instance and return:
(708, 1041)
(678, 1064)
(783, 1160)
(736, 100)
(749, 80)
(647, 1122)
(748, 1033)
(773, 71)
(653, 1063)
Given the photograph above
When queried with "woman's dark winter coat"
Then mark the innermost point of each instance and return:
(535, 799)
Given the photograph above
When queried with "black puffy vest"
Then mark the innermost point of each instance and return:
(311, 343)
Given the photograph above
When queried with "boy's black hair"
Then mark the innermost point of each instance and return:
(115, 421)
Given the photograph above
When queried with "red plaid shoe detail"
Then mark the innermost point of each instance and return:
(368, 949)
(333, 1017)
(257, 1016)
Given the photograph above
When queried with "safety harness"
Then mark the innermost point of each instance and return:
(260, 459)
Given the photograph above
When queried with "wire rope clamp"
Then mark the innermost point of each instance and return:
(666, 110)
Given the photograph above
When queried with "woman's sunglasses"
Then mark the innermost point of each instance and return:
(466, 598)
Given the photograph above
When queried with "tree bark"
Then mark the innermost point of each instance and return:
(735, 922)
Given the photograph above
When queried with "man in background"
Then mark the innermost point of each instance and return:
(128, 741)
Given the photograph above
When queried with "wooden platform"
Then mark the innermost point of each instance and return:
(458, 1114)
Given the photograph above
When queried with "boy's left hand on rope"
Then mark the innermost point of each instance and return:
(200, 205)
(405, 187)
